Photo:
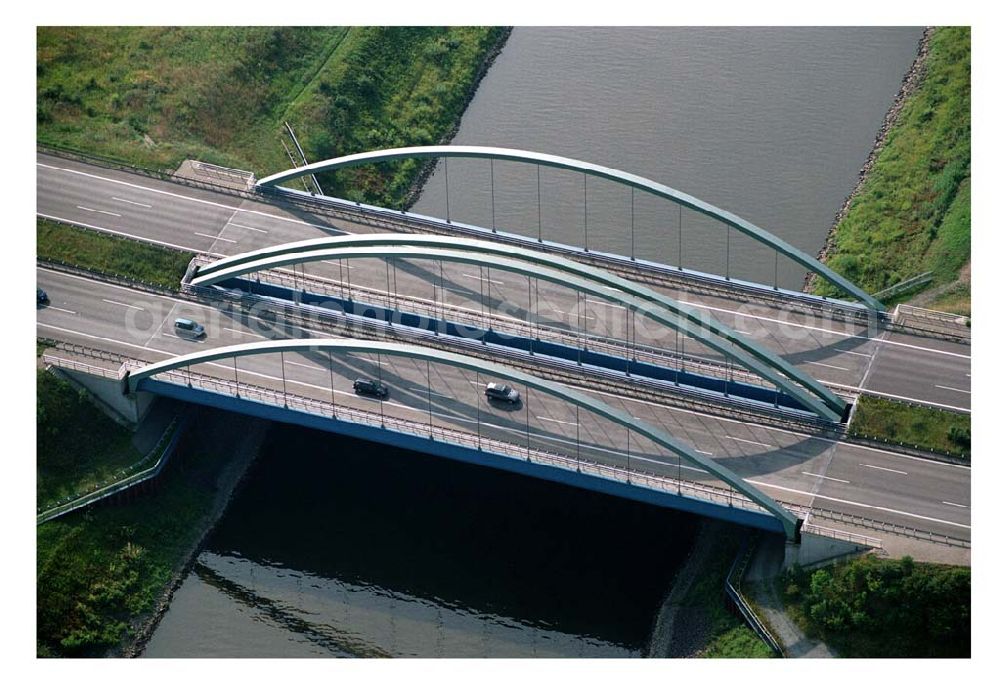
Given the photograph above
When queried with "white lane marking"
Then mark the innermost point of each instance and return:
(190, 199)
(878, 467)
(828, 366)
(306, 366)
(691, 412)
(957, 390)
(334, 263)
(824, 477)
(860, 505)
(119, 303)
(118, 232)
(555, 420)
(86, 209)
(482, 279)
(707, 453)
(852, 352)
(740, 439)
(826, 331)
(216, 237)
(99, 338)
(897, 397)
(239, 225)
(602, 303)
(746, 333)
(62, 310)
(97, 211)
(137, 204)
(237, 331)
(433, 392)
(957, 505)
(571, 314)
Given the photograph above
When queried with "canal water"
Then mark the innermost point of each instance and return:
(336, 547)
(772, 124)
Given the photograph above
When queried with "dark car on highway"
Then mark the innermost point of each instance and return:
(371, 388)
(42, 297)
(502, 392)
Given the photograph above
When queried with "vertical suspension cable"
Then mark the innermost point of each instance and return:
(447, 198)
(633, 223)
(493, 204)
(538, 173)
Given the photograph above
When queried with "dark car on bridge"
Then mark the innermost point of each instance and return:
(371, 388)
(502, 392)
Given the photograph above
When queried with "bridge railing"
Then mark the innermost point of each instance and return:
(125, 478)
(734, 580)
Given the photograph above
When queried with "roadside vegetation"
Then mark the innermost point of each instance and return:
(871, 607)
(155, 96)
(726, 635)
(939, 430)
(914, 212)
(78, 447)
(101, 568)
(111, 255)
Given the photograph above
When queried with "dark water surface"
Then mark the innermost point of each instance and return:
(343, 548)
(772, 124)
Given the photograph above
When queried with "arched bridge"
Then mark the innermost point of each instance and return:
(788, 521)
(570, 274)
(632, 180)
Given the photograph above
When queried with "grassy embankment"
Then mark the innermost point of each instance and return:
(78, 446)
(937, 430)
(913, 213)
(155, 96)
(111, 255)
(872, 607)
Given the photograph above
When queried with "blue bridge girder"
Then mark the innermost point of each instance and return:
(571, 274)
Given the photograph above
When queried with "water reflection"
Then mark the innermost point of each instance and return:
(340, 548)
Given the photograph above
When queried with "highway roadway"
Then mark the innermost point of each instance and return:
(807, 470)
(919, 369)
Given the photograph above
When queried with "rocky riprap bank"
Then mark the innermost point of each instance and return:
(914, 76)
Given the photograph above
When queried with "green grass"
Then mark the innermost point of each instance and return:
(155, 96)
(877, 608)
(111, 255)
(729, 637)
(388, 87)
(943, 431)
(79, 447)
(913, 214)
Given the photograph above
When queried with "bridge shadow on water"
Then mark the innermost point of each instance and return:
(549, 567)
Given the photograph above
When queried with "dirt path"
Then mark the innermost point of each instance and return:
(762, 585)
